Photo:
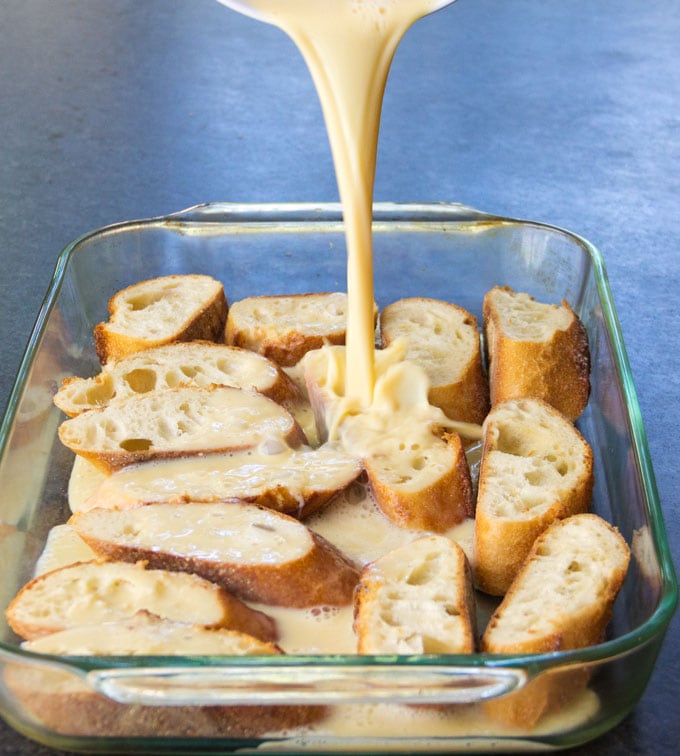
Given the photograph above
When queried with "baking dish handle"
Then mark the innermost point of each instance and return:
(326, 212)
(305, 684)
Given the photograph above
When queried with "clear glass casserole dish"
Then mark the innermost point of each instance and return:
(407, 704)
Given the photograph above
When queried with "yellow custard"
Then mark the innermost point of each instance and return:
(348, 46)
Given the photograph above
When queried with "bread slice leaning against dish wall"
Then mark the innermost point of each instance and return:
(561, 599)
(177, 422)
(286, 327)
(416, 599)
(66, 704)
(444, 340)
(183, 363)
(159, 311)
(87, 593)
(535, 350)
(536, 468)
(255, 553)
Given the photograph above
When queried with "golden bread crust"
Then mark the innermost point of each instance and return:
(536, 468)
(561, 599)
(416, 599)
(553, 366)
(319, 575)
(444, 339)
(284, 328)
(175, 423)
(192, 320)
(444, 501)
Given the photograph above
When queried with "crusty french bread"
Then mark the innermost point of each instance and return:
(444, 339)
(536, 350)
(286, 327)
(416, 599)
(256, 553)
(87, 593)
(66, 704)
(177, 422)
(184, 363)
(147, 634)
(536, 468)
(422, 486)
(159, 311)
(561, 599)
(293, 481)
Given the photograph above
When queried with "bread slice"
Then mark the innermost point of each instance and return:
(191, 363)
(147, 634)
(416, 599)
(536, 468)
(561, 599)
(293, 481)
(536, 350)
(93, 592)
(444, 339)
(256, 553)
(286, 327)
(65, 703)
(159, 311)
(421, 485)
(63, 547)
(177, 422)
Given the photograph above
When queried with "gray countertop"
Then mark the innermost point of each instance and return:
(566, 112)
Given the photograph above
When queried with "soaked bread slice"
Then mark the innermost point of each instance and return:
(418, 473)
(416, 599)
(444, 339)
(177, 422)
(286, 327)
(536, 350)
(88, 593)
(561, 599)
(159, 311)
(255, 553)
(192, 363)
(146, 634)
(422, 486)
(66, 704)
(294, 481)
(536, 468)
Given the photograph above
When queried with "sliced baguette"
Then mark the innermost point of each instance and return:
(561, 599)
(88, 593)
(293, 481)
(286, 327)
(64, 703)
(444, 339)
(146, 634)
(256, 553)
(536, 468)
(191, 363)
(177, 422)
(536, 350)
(422, 486)
(416, 599)
(159, 311)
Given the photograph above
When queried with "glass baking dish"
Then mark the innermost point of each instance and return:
(181, 704)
